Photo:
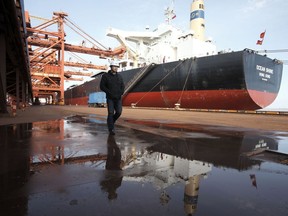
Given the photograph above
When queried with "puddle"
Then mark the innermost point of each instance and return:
(71, 167)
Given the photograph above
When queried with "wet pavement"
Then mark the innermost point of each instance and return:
(72, 167)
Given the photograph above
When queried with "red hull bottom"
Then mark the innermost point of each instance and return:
(77, 101)
(263, 99)
(212, 99)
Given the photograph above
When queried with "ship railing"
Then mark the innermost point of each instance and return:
(138, 77)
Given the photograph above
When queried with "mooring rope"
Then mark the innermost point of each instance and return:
(160, 81)
(179, 101)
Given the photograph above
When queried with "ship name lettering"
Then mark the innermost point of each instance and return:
(260, 68)
(269, 70)
(261, 74)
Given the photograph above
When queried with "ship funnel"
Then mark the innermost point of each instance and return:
(197, 21)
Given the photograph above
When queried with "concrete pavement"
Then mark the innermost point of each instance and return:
(253, 121)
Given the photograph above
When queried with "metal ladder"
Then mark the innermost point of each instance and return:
(138, 77)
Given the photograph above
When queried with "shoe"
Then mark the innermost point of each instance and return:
(111, 132)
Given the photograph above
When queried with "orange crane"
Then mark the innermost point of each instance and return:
(47, 60)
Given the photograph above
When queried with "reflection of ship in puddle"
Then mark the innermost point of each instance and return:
(225, 151)
(194, 170)
(190, 160)
(163, 170)
(222, 146)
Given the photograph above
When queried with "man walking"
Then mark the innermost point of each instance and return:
(112, 84)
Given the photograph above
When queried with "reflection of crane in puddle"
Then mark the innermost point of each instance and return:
(48, 145)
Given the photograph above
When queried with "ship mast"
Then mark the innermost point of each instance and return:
(169, 13)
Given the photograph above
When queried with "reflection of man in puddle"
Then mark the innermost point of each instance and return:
(113, 178)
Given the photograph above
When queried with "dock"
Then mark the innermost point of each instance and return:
(252, 120)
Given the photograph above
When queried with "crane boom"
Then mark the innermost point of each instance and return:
(73, 48)
(272, 51)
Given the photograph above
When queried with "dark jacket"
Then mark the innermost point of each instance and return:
(112, 85)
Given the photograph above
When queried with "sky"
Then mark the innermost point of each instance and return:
(232, 25)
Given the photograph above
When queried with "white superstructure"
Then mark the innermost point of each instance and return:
(166, 43)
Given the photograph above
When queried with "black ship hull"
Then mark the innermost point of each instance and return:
(240, 80)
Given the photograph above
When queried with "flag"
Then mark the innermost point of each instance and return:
(259, 42)
(173, 15)
(262, 35)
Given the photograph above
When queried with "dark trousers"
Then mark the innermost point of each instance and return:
(114, 112)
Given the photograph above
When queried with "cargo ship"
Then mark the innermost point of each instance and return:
(168, 68)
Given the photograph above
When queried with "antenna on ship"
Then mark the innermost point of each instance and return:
(169, 13)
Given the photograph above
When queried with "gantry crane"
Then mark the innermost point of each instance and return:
(47, 60)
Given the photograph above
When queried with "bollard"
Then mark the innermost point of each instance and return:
(177, 106)
(133, 105)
